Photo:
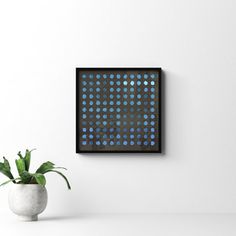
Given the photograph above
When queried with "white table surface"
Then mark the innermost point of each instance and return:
(123, 224)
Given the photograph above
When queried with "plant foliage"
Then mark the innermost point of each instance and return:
(25, 177)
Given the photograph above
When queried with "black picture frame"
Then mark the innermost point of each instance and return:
(79, 70)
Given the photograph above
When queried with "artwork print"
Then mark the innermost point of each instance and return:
(118, 110)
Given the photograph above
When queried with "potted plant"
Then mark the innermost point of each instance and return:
(28, 195)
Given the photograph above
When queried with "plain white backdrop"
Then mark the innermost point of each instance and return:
(41, 44)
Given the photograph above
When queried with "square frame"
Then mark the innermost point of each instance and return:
(78, 111)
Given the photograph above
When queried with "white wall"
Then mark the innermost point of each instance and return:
(41, 43)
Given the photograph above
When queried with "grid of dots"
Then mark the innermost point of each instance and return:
(119, 110)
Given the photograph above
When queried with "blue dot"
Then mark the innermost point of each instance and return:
(98, 76)
(104, 109)
(139, 143)
(118, 136)
(111, 143)
(152, 130)
(111, 136)
(118, 143)
(125, 82)
(111, 109)
(152, 90)
(138, 83)
(111, 82)
(152, 82)
(84, 143)
(111, 76)
(111, 89)
(91, 96)
(125, 76)
(145, 143)
(112, 130)
(98, 143)
(98, 109)
(152, 103)
(145, 136)
(90, 129)
(84, 89)
(145, 89)
(139, 136)
(145, 76)
(84, 136)
(118, 83)
(98, 102)
(125, 143)
(105, 136)
(98, 122)
(145, 123)
(139, 96)
(98, 89)
(98, 129)
(118, 103)
(145, 129)
(118, 123)
(152, 96)
(152, 123)
(84, 76)
(84, 103)
(152, 143)
(117, 109)
(91, 82)
(104, 76)
(131, 96)
(131, 136)
(84, 96)
(131, 103)
(139, 76)
(152, 76)
(84, 83)
(104, 123)
(84, 116)
(91, 76)
(118, 96)
(145, 82)
(125, 130)
(98, 116)
(125, 96)
(132, 83)
(91, 136)
(131, 89)
(104, 116)
(84, 109)
(132, 76)
(131, 130)
(84, 129)
(104, 142)
(139, 103)
(152, 116)
(104, 103)
(152, 109)
(125, 90)
(118, 90)
(131, 143)
(145, 116)
(152, 136)
(118, 76)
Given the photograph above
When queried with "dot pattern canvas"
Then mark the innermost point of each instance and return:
(118, 110)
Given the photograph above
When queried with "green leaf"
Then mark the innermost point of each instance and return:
(8, 181)
(40, 179)
(4, 170)
(46, 166)
(26, 177)
(19, 154)
(6, 164)
(20, 164)
(27, 159)
(58, 172)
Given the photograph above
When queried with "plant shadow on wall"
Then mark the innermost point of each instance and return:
(28, 195)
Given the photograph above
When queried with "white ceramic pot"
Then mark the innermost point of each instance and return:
(27, 200)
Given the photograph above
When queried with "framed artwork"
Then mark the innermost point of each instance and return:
(118, 110)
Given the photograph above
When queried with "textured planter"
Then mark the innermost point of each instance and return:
(27, 200)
